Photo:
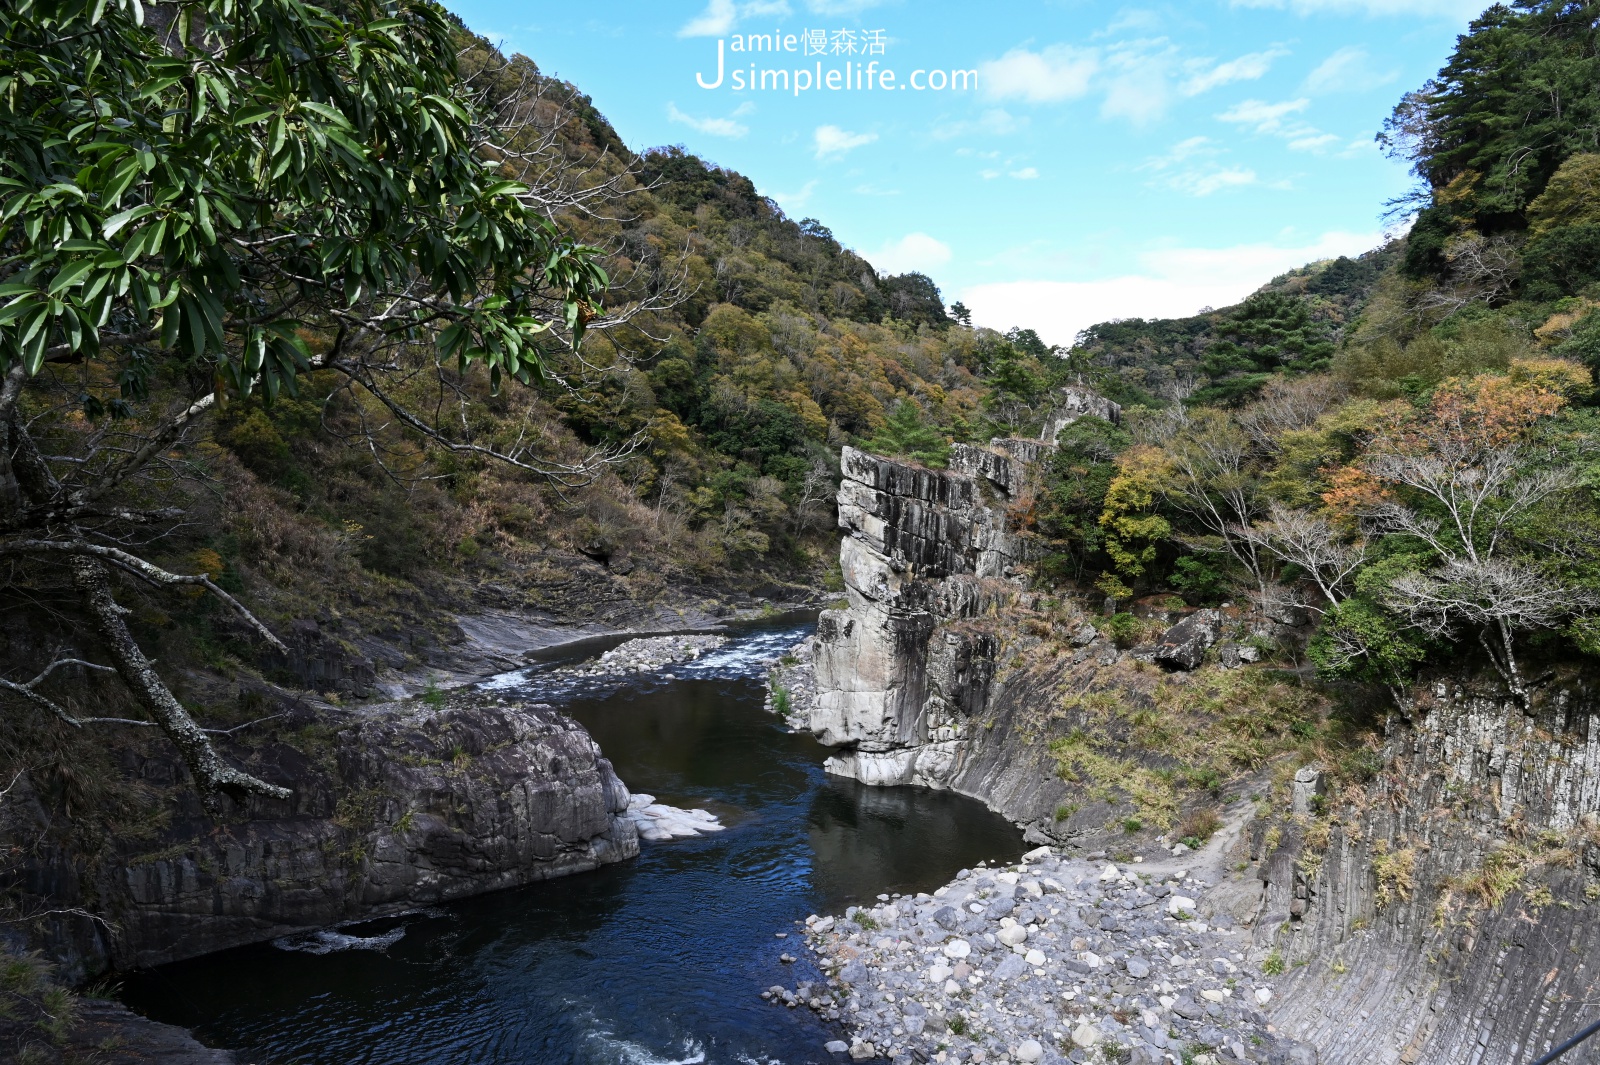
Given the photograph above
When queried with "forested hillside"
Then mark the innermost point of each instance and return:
(1403, 445)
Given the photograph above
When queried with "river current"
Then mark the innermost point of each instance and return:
(654, 961)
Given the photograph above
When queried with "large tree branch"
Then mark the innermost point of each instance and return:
(138, 566)
(159, 441)
(30, 692)
(211, 773)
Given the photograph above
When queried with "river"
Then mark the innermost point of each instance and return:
(654, 961)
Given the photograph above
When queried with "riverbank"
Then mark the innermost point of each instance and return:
(1050, 960)
(548, 972)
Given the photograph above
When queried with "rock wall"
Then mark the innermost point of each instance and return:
(1453, 913)
(895, 684)
(1443, 910)
(405, 806)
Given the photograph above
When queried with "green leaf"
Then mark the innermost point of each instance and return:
(70, 275)
(117, 222)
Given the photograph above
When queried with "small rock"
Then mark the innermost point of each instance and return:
(1263, 995)
(836, 1046)
(1181, 904)
(1010, 967)
(824, 925)
(863, 1052)
(1085, 1035)
(957, 949)
(1028, 1050)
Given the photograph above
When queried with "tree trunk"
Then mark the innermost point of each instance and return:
(212, 775)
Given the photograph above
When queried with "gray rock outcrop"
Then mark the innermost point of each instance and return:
(1185, 644)
(1075, 401)
(1453, 915)
(895, 685)
(395, 808)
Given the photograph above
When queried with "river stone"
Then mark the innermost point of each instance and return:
(1034, 958)
(1181, 903)
(947, 917)
(836, 1046)
(957, 949)
(1028, 1050)
(1014, 935)
(1010, 967)
(824, 925)
(1137, 968)
(1085, 1035)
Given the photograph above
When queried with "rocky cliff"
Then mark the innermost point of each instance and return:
(1448, 909)
(394, 807)
(896, 685)
(1434, 897)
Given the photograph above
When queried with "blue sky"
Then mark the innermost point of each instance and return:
(1103, 161)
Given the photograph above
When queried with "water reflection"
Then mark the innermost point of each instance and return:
(655, 961)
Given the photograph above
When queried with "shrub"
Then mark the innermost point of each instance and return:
(1199, 825)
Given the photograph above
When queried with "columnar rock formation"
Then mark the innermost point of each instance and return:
(899, 677)
(895, 687)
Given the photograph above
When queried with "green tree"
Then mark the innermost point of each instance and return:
(1268, 333)
(220, 196)
(906, 433)
(1073, 493)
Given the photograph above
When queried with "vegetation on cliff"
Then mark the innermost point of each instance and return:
(1401, 445)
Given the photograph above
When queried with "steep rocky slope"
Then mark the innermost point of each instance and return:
(1427, 885)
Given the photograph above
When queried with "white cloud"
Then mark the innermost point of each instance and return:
(914, 251)
(1059, 72)
(1451, 9)
(718, 18)
(995, 122)
(1262, 116)
(1140, 87)
(715, 127)
(1349, 69)
(1246, 68)
(721, 16)
(831, 141)
(840, 7)
(1173, 282)
(793, 201)
(1205, 181)
(1194, 147)
(1190, 167)
(1136, 19)
(1027, 173)
(1313, 142)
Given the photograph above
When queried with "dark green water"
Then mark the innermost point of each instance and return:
(659, 960)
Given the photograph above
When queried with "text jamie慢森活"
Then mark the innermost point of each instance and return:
(844, 47)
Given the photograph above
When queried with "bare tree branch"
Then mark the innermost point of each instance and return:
(149, 571)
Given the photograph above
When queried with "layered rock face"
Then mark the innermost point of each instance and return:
(1453, 914)
(896, 685)
(408, 807)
